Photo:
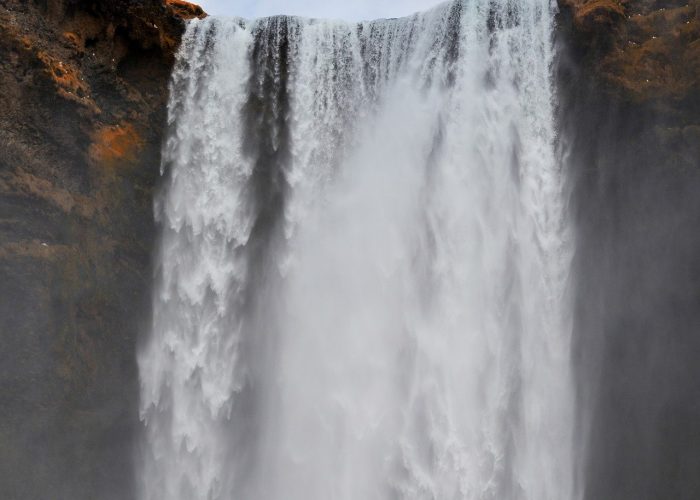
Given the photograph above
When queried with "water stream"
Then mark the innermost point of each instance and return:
(362, 272)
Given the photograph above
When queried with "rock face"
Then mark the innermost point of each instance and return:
(643, 50)
(82, 110)
(630, 111)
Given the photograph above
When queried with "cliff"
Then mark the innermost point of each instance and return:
(641, 51)
(629, 79)
(82, 112)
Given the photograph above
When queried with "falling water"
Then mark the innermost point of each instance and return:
(361, 276)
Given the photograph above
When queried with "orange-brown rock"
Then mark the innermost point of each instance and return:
(31, 186)
(644, 50)
(115, 145)
(595, 15)
(185, 10)
(82, 114)
(629, 95)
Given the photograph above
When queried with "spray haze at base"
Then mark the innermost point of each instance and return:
(361, 287)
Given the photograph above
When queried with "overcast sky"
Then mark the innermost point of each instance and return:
(351, 10)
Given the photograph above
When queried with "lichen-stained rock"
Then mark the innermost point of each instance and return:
(629, 114)
(115, 145)
(596, 16)
(185, 10)
(643, 50)
(82, 111)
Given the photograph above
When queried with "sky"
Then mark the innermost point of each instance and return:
(350, 10)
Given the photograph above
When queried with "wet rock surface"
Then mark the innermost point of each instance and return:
(82, 110)
(630, 110)
(640, 50)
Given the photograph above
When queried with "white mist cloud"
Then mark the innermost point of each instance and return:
(351, 10)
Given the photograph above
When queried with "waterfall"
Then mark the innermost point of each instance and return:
(361, 279)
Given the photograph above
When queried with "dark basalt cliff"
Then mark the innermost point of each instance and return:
(83, 89)
(630, 113)
(82, 112)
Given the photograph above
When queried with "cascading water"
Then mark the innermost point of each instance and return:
(361, 285)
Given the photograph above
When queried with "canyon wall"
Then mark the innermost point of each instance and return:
(630, 109)
(82, 113)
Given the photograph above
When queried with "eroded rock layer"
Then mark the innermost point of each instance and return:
(630, 120)
(642, 50)
(82, 109)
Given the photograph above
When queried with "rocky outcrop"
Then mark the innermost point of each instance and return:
(644, 50)
(82, 113)
(630, 115)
